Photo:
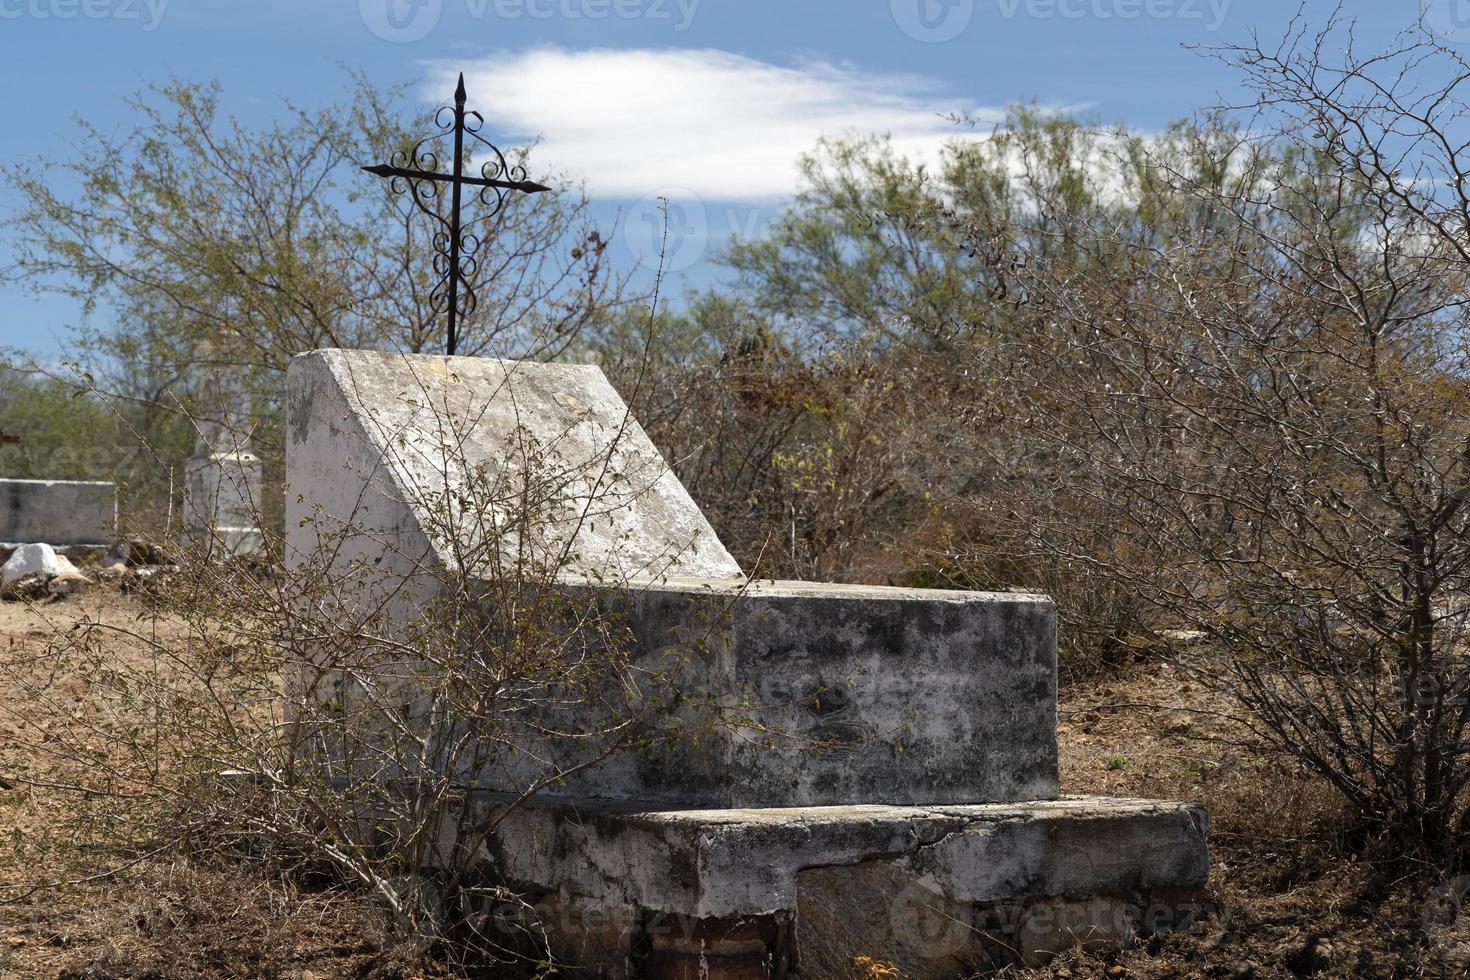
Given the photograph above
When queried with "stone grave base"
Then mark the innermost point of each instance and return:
(935, 891)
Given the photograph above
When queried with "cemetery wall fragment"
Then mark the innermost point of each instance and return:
(58, 512)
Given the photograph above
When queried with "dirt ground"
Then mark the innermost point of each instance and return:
(160, 918)
(1289, 902)
(1290, 898)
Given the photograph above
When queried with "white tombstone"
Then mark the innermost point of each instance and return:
(222, 483)
(397, 463)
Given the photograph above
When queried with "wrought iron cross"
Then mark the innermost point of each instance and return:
(417, 172)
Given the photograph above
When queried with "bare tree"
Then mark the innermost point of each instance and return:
(1255, 425)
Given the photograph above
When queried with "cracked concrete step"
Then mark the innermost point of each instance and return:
(933, 889)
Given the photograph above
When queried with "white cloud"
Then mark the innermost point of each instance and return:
(716, 125)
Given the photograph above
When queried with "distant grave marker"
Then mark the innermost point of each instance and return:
(222, 480)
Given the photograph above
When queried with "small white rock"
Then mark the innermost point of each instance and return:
(34, 559)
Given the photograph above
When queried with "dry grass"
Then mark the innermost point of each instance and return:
(169, 916)
(1291, 902)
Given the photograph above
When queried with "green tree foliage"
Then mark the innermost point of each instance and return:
(880, 247)
(63, 433)
(201, 246)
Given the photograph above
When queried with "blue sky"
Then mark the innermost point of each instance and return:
(706, 102)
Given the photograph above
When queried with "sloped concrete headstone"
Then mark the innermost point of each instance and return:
(915, 696)
(423, 431)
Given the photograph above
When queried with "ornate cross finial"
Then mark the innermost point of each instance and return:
(417, 172)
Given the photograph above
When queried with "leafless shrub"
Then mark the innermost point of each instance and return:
(1255, 426)
(805, 465)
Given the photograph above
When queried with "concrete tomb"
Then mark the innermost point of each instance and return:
(908, 808)
(61, 513)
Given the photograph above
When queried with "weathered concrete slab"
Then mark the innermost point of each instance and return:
(423, 455)
(816, 695)
(57, 512)
(940, 889)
